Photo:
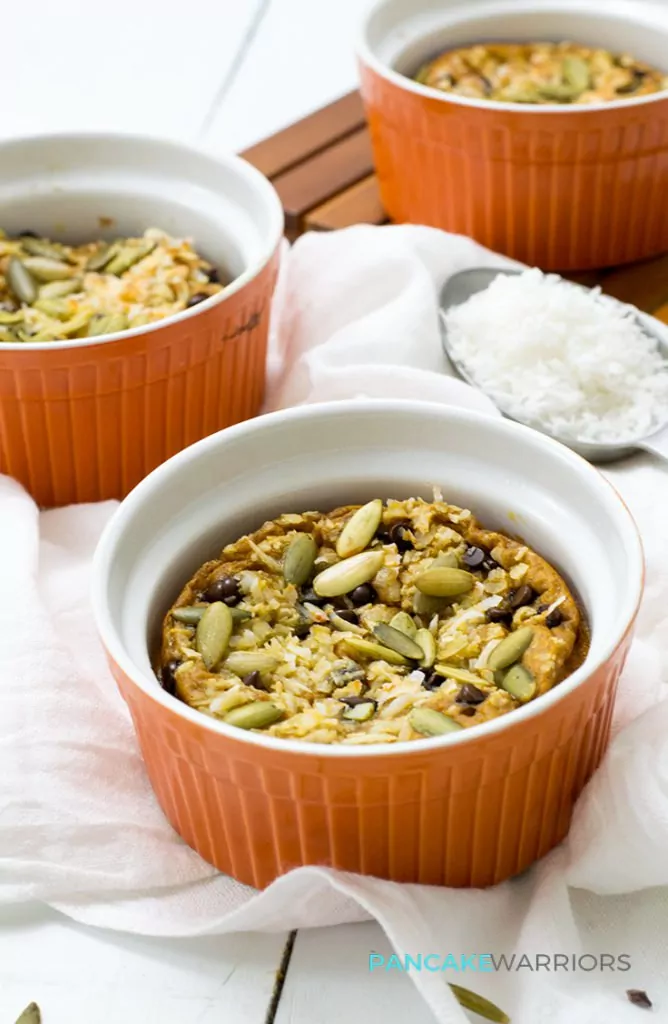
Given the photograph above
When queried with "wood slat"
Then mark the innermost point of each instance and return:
(296, 143)
(359, 204)
(326, 174)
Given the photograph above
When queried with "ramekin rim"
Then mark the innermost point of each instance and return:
(238, 163)
(151, 688)
(366, 56)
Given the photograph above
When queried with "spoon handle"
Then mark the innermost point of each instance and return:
(657, 444)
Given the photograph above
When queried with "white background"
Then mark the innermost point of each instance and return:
(221, 73)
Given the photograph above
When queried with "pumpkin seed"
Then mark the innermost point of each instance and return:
(77, 323)
(214, 630)
(31, 1015)
(575, 72)
(127, 256)
(510, 649)
(423, 605)
(344, 576)
(397, 641)
(40, 247)
(44, 269)
(360, 712)
(431, 723)
(477, 1004)
(299, 559)
(443, 581)
(110, 324)
(11, 318)
(102, 256)
(58, 308)
(257, 715)
(404, 623)
(376, 652)
(560, 92)
(59, 289)
(460, 675)
(426, 641)
(345, 626)
(21, 282)
(519, 683)
(243, 662)
(7, 336)
(360, 529)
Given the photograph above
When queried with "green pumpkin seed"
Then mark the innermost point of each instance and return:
(77, 323)
(397, 641)
(360, 529)
(257, 715)
(348, 627)
(426, 641)
(460, 675)
(376, 652)
(58, 308)
(99, 259)
(214, 630)
(428, 606)
(560, 92)
(21, 282)
(575, 72)
(344, 576)
(244, 662)
(44, 269)
(471, 1001)
(59, 289)
(510, 649)
(519, 683)
(189, 614)
(7, 336)
(360, 712)
(11, 318)
(31, 1015)
(40, 247)
(299, 559)
(431, 723)
(111, 324)
(443, 581)
(127, 256)
(404, 623)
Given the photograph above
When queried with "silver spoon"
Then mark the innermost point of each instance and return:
(462, 286)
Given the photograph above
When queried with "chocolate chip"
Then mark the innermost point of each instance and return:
(312, 598)
(467, 712)
(352, 702)
(433, 681)
(213, 275)
(541, 608)
(167, 676)
(474, 558)
(364, 594)
(255, 680)
(225, 589)
(639, 997)
(195, 300)
(470, 694)
(348, 615)
(522, 596)
(397, 535)
(555, 618)
(502, 613)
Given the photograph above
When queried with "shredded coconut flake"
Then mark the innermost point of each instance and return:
(565, 359)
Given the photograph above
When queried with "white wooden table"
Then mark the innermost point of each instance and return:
(224, 73)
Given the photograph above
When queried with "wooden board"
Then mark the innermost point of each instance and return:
(322, 169)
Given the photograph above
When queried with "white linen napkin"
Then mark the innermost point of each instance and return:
(80, 829)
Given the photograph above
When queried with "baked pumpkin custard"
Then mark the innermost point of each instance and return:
(371, 624)
(541, 73)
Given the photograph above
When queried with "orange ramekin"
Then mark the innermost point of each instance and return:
(560, 187)
(87, 419)
(469, 809)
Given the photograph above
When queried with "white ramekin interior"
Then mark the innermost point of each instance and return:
(399, 35)
(322, 456)
(90, 186)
